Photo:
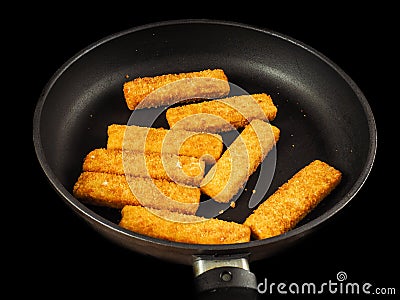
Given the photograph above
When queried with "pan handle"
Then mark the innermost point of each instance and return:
(224, 277)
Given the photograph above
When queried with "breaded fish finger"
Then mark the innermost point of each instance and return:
(222, 114)
(239, 161)
(293, 200)
(160, 140)
(177, 227)
(168, 89)
(181, 169)
(116, 191)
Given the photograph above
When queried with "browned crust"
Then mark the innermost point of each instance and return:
(160, 140)
(181, 169)
(222, 114)
(169, 88)
(293, 200)
(115, 191)
(239, 161)
(181, 228)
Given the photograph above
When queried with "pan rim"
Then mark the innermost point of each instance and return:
(201, 248)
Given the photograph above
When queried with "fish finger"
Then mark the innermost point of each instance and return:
(160, 140)
(239, 161)
(223, 114)
(181, 169)
(168, 89)
(178, 227)
(116, 191)
(291, 202)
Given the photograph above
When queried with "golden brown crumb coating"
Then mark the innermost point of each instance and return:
(160, 140)
(168, 89)
(181, 169)
(116, 191)
(222, 114)
(293, 200)
(182, 228)
(239, 161)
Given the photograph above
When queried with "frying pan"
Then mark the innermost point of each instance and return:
(322, 114)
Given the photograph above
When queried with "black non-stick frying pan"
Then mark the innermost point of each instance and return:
(322, 114)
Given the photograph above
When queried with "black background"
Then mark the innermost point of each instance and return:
(69, 258)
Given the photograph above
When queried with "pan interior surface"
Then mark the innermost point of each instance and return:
(321, 114)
